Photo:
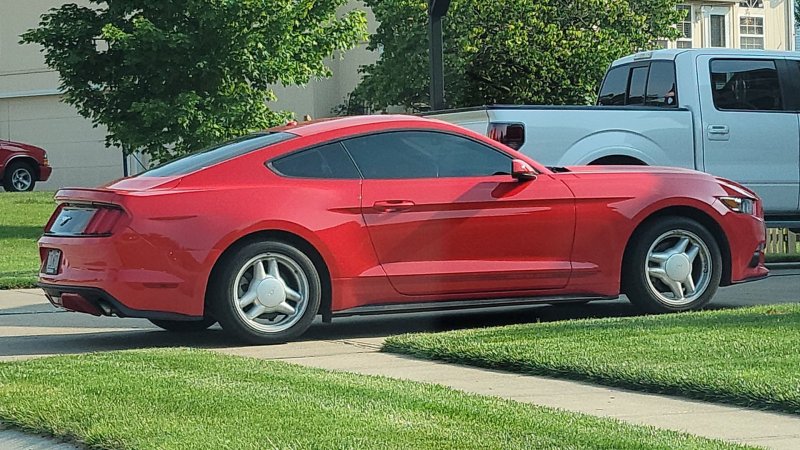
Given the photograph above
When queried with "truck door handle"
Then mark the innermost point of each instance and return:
(393, 205)
(718, 129)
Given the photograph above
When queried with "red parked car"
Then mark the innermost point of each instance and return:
(389, 213)
(22, 165)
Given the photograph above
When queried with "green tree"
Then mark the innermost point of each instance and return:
(796, 14)
(169, 77)
(515, 51)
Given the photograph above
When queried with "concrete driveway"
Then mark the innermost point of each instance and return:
(29, 326)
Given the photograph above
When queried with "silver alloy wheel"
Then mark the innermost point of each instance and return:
(271, 292)
(21, 179)
(678, 267)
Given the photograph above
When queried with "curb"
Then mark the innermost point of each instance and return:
(783, 265)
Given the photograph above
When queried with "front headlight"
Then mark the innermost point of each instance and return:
(742, 205)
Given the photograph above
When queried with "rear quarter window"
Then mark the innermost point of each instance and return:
(216, 154)
(325, 161)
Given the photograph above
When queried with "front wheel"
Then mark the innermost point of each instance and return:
(19, 177)
(266, 292)
(673, 264)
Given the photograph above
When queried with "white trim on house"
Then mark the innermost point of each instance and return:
(35, 93)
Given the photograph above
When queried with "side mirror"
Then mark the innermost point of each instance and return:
(522, 171)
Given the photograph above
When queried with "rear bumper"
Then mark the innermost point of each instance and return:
(134, 275)
(98, 302)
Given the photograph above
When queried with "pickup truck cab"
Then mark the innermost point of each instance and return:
(22, 165)
(732, 113)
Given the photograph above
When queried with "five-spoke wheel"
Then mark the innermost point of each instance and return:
(266, 292)
(19, 177)
(673, 264)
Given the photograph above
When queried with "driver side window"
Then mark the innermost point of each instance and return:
(424, 154)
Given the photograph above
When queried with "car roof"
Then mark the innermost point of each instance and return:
(671, 54)
(318, 126)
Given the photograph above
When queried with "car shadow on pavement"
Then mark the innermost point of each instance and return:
(76, 337)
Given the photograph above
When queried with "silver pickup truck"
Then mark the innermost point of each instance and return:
(731, 113)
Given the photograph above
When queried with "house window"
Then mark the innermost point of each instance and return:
(685, 27)
(752, 4)
(751, 32)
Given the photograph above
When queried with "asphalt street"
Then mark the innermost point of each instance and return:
(30, 326)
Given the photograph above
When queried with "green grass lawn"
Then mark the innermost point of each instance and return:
(748, 356)
(178, 398)
(22, 218)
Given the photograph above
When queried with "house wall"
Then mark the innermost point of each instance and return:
(31, 110)
(778, 22)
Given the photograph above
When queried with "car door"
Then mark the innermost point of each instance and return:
(446, 217)
(750, 132)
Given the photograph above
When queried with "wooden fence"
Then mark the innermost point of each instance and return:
(781, 240)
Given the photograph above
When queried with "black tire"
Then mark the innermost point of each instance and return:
(19, 168)
(663, 235)
(232, 281)
(184, 326)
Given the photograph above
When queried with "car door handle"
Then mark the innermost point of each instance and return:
(393, 205)
(718, 129)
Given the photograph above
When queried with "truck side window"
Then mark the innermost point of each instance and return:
(614, 85)
(661, 86)
(743, 84)
(636, 88)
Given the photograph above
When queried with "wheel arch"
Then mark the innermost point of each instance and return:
(290, 238)
(27, 159)
(618, 160)
(700, 216)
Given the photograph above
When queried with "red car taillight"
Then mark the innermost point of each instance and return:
(510, 134)
(84, 220)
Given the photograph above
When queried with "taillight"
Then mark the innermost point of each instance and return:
(510, 134)
(80, 220)
(103, 221)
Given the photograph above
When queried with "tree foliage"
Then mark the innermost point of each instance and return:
(171, 76)
(509, 52)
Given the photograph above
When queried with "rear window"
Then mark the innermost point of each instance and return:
(613, 91)
(640, 84)
(217, 154)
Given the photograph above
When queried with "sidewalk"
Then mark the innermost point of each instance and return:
(731, 423)
(767, 429)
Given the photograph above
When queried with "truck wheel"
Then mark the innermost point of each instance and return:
(19, 177)
(266, 292)
(672, 264)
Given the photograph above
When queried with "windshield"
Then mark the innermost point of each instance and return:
(216, 154)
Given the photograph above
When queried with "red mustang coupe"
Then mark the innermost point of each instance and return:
(389, 213)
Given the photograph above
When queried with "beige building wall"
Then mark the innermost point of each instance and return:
(31, 110)
(723, 20)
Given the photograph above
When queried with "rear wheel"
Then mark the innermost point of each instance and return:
(673, 264)
(266, 292)
(19, 177)
(184, 326)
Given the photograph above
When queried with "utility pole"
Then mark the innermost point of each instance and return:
(437, 9)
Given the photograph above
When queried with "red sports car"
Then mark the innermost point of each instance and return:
(22, 165)
(389, 213)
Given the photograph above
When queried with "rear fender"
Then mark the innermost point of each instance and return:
(614, 143)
